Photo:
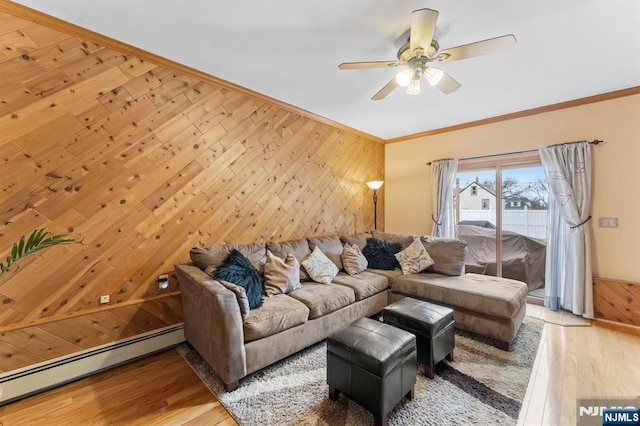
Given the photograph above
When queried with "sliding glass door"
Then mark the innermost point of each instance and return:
(501, 211)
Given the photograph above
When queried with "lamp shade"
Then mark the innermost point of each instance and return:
(375, 184)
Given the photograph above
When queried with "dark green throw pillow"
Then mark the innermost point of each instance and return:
(381, 254)
(237, 269)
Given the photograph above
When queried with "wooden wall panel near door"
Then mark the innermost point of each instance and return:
(143, 159)
(616, 300)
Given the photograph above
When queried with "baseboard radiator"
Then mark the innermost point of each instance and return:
(36, 378)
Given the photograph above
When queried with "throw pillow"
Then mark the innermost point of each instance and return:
(381, 254)
(353, 260)
(238, 270)
(299, 248)
(319, 267)
(241, 296)
(414, 258)
(331, 246)
(281, 276)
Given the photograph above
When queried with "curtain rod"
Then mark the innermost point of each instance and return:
(594, 142)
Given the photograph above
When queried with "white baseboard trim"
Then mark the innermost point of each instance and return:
(36, 378)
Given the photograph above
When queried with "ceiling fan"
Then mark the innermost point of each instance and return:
(421, 50)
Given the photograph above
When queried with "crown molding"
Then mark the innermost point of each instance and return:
(57, 24)
(526, 113)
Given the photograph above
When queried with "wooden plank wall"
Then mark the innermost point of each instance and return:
(616, 300)
(143, 161)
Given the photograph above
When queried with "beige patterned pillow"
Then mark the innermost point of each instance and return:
(319, 267)
(414, 258)
(353, 260)
(281, 276)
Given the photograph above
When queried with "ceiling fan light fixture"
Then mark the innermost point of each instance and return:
(403, 78)
(433, 75)
(414, 87)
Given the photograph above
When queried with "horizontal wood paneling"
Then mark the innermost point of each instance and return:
(616, 300)
(142, 162)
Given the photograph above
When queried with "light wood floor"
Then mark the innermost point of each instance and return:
(575, 361)
(572, 361)
(161, 389)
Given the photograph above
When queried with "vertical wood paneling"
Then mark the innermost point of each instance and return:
(143, 161)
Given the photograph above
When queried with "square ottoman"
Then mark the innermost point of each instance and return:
(372, 363)
(432, 324)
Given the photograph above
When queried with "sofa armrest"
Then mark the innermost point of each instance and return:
(213, 323)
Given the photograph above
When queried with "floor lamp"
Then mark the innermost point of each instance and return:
(375, 185)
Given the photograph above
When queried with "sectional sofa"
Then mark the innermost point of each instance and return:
(237, 343)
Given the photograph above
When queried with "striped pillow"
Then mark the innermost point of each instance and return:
(353, 261)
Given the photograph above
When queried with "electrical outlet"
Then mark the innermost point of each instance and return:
(104, 298)
(608, 222)
(163, 281)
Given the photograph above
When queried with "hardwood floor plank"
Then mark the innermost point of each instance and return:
(161, 389)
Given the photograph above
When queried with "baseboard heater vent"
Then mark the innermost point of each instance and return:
(17, 384)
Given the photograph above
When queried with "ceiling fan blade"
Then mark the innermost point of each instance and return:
(423, 24)
(448, 84)
(484, 47)
(388, 88)
(361, 65)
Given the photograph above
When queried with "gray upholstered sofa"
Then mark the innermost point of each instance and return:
(287, 323)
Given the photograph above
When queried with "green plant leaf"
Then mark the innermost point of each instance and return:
(38, 240)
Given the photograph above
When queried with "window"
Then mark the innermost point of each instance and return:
(509, 221)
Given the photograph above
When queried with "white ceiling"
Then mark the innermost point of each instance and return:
(290, 50)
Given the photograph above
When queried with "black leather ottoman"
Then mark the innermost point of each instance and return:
(372, 363)
(432, 324)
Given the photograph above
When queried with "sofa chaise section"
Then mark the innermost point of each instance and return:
(483, 304)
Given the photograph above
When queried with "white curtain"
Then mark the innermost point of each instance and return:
(444, 216)
(568, 283)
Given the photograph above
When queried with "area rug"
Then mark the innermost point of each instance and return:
(483, 385)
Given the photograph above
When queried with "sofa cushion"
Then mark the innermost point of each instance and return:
(380, 254)
(241, 297)
(448, 254)
(359, 239)
(299, 248)
(331, 246)
(392, 273)
(322, 299)
(414, 258)
(237, 269)
(353, 260)
(277, 313)
(364, 284)
(319, 267)
(281, 275)
(404, 239)
(498, 297)
(209, 259)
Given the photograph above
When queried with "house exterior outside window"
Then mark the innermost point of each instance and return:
(485, 204)
(474, 190)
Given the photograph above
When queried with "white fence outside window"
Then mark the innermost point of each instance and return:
(532, 223)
